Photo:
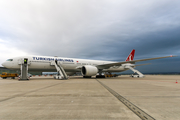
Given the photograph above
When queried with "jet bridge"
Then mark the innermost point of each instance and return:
(135, 72)
(61, 73)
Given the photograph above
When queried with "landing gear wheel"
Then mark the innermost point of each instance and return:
(86, 76)
(100, 76)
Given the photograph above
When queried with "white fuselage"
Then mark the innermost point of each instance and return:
(44, 64)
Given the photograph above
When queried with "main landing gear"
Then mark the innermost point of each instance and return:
(97, 76)
(86, 76)
(100, 76)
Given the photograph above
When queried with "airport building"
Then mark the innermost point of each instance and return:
(3, 69)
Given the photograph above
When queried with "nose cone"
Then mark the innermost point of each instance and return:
(3, 64)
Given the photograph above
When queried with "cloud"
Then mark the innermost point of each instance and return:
(106, 30)
(8, 50)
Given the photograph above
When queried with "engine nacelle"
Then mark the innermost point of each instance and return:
(89, 70)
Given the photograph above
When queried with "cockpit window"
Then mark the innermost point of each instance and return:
(9, 60)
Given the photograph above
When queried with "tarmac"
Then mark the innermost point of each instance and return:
(44, 98)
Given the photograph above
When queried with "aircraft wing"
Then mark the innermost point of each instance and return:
(106, 66)
(142, 64)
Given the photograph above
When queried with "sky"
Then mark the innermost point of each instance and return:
(93, 29)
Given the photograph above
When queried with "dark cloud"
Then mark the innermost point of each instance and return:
(105, 30)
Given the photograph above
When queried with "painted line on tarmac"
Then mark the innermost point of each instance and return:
(19, 95)
(139, 112)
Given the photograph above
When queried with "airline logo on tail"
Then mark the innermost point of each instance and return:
(131, 56)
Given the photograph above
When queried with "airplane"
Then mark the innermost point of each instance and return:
(70, 66)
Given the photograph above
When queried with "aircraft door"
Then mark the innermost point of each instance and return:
(25, 61)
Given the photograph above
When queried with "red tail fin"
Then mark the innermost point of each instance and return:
(131, 56)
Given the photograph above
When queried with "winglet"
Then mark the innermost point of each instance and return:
(131, 56)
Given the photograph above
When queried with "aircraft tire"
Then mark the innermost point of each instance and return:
(86, 76)
(100, 76)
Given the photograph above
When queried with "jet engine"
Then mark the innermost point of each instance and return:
(89, 70)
